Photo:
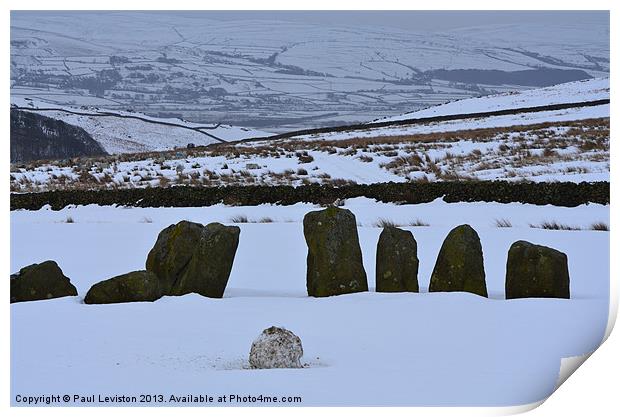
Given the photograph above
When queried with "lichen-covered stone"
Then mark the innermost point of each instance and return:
(459, 265)
(133, 286)
(172, 252)
(208, 270)
(40, 282)
(397, 261)
(276, 347)
(191, 258)
(536, 271)
(334, 262)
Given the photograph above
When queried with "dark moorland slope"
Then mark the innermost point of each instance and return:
(34, 136)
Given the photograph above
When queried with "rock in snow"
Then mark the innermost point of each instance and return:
(133, 286)
(212, 259)
(192, 258)
(187, 258)
(173, 250)
(276, 347)
(459, 265)
(334, 259)
(40, 282)
(536, 271)
(397, 261)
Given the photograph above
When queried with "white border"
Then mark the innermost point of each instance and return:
(592, 390)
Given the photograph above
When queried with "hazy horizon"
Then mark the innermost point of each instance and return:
(415, 20)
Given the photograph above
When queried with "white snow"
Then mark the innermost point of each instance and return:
(508, 155)
(573, 92)
(360, 349)
(522, 119)
(122, 135)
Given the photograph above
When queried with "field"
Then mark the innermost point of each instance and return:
(360, 349)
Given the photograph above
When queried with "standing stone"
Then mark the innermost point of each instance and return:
(192, 258)
(397, 261)
(536, 271)
(334, 256)
(209, 268)
(172, 252)
(133, 286)
(40, 282)
(459, 265)
(276, 347)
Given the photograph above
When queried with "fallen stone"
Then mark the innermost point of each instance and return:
(130, 287)
(40, 282)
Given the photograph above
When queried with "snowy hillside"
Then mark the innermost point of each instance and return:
(574, 92)
(504, 121)
(559, 145)
(563, 151)
(124, 132)
(279, 75)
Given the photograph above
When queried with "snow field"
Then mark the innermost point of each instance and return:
(573, 92)
(360, 349)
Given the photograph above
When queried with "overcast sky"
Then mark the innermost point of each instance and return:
(409, 20)
(421, 20)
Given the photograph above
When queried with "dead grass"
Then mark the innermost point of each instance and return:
(600, 226)
(502, 223)
(553, 225)
(406, 156)
(241, 218)
(384, 223)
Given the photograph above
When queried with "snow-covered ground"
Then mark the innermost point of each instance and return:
(563, 151)
(573, 92)
(521, 119)
(130, 135)
(559, 145)
(360, 349)
(123, 135)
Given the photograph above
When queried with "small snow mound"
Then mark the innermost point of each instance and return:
(276, 347)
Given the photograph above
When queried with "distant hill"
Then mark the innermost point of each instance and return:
(572, 92)
(277, 75)
(119, 131)
(34, 136)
